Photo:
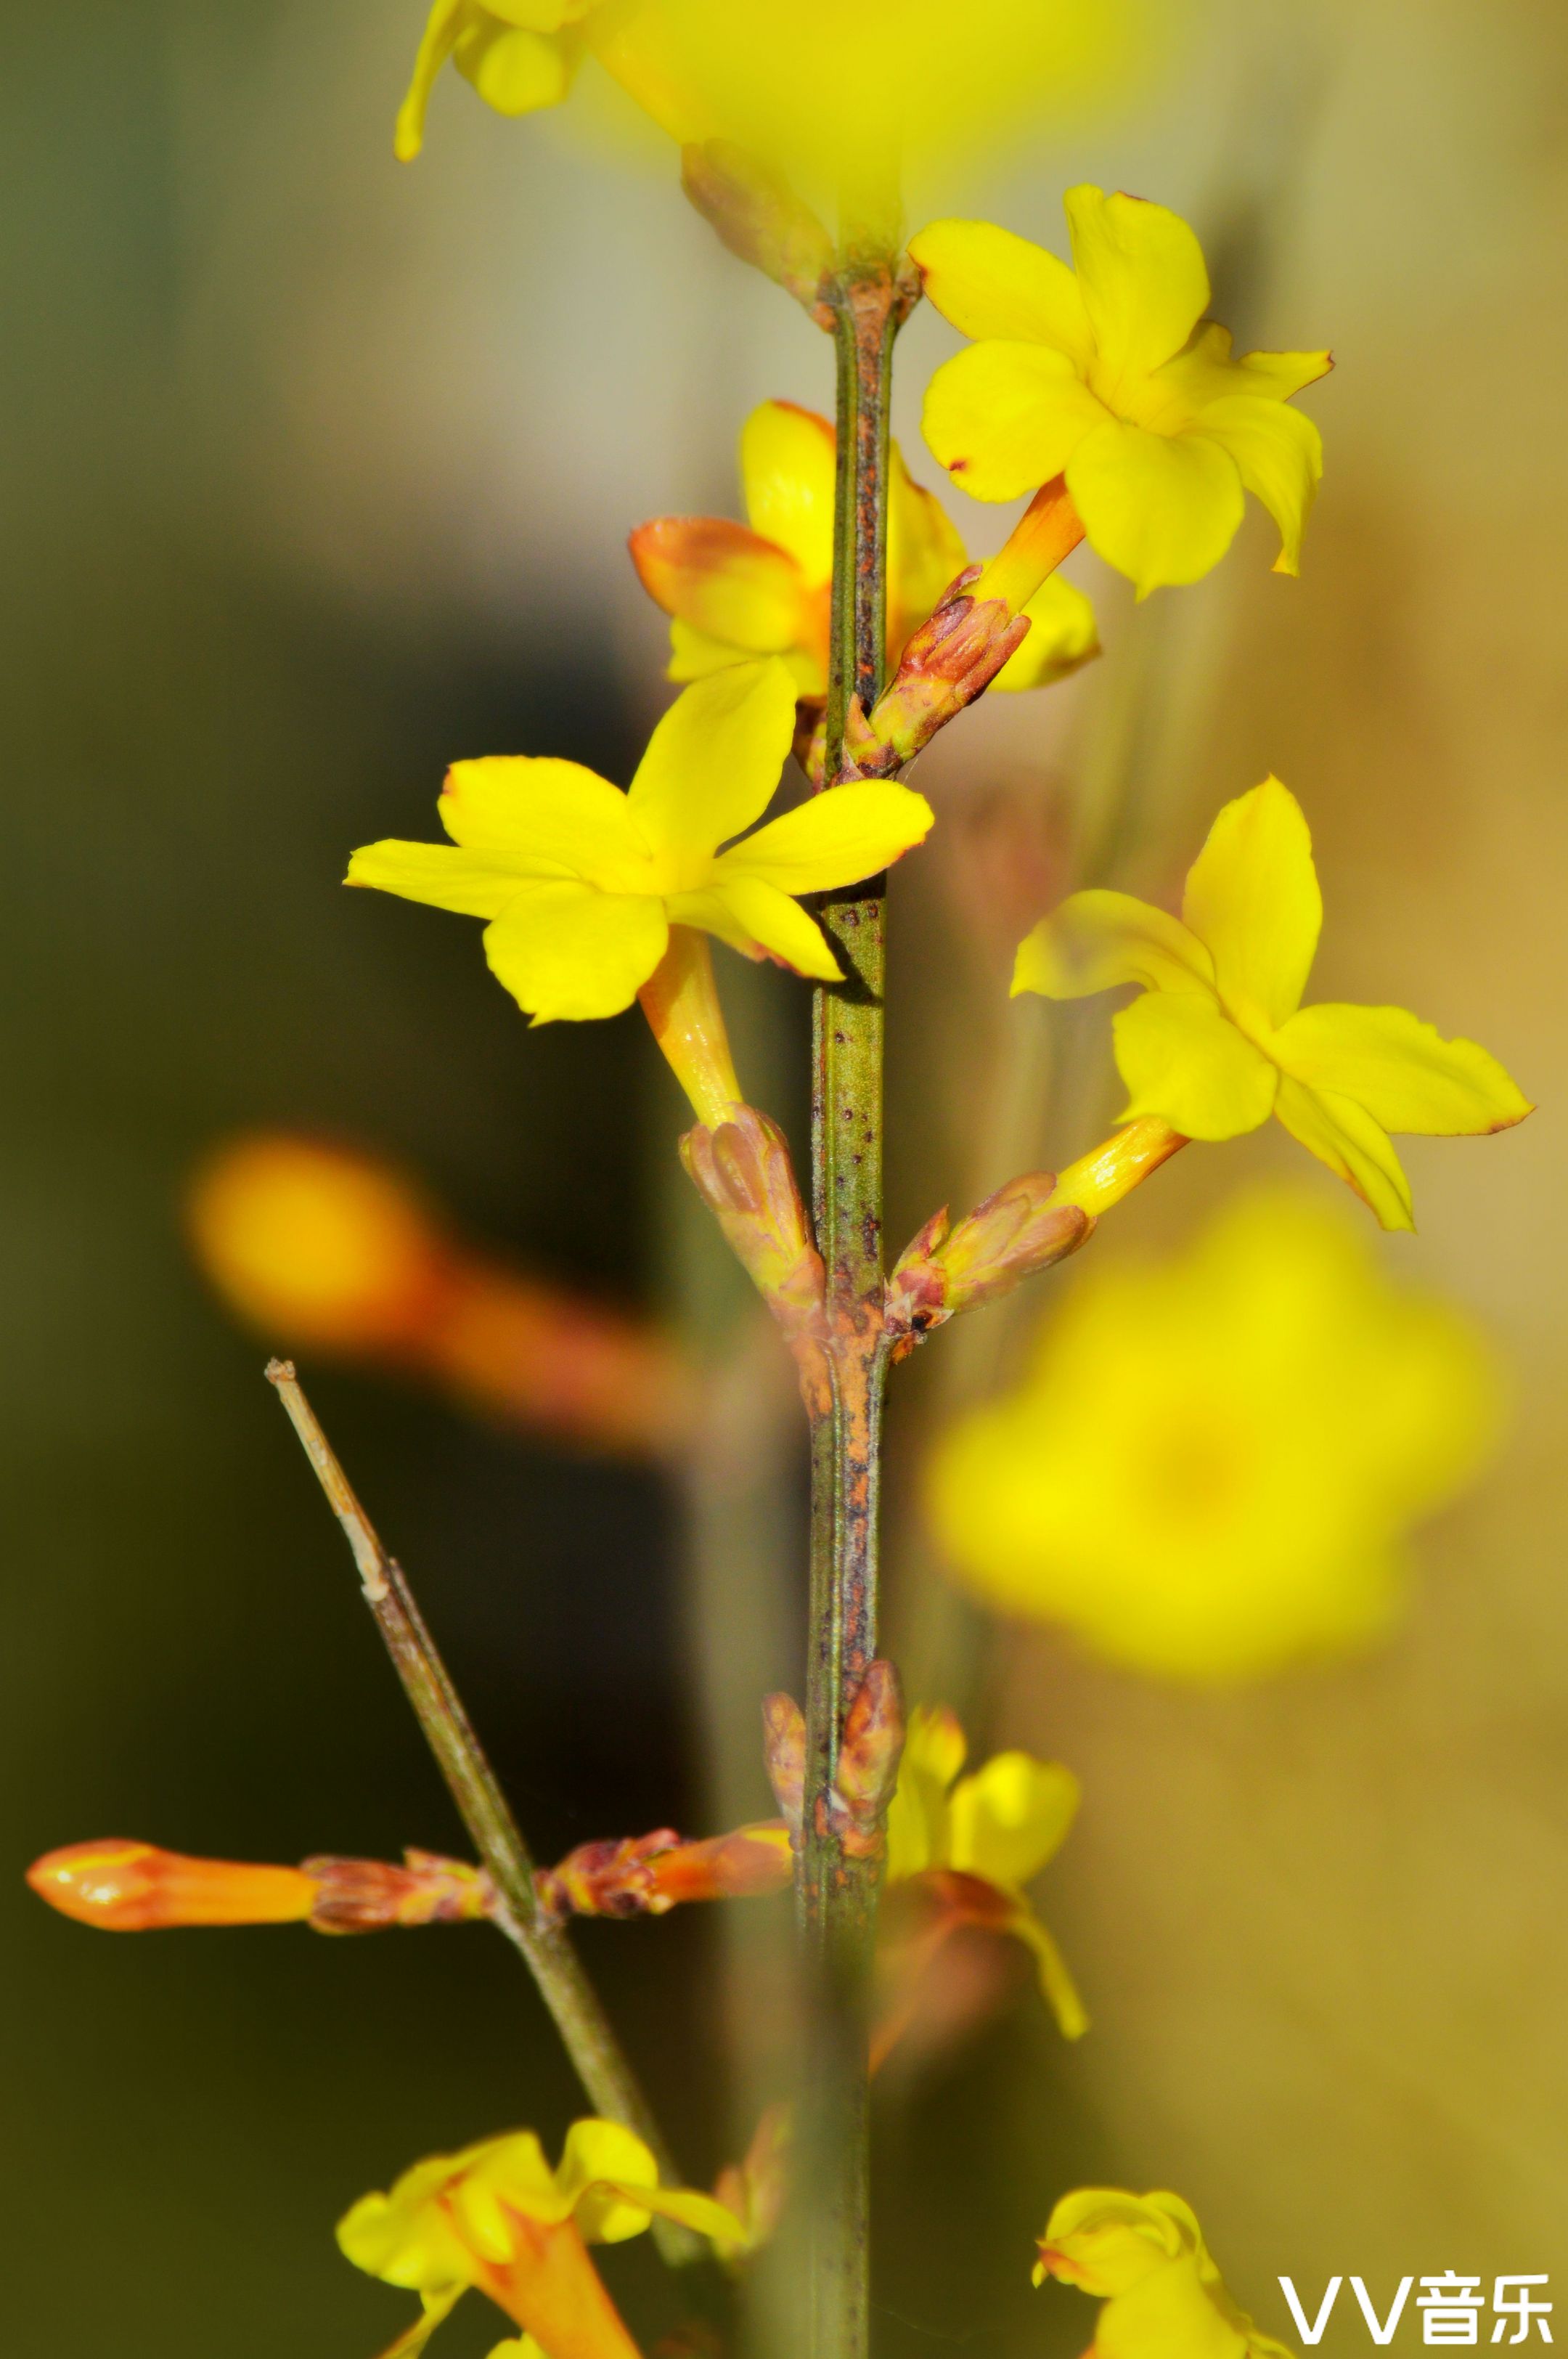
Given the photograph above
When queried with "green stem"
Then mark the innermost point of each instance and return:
(838, 1891)
(590, 2042)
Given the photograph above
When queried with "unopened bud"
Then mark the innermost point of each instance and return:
(326, 1250)
(951, 659)
(752, 1861)
(868, 1755)
(742, 1171)
(645, 1875)
(1024, 1227)
(317, 1246)
(784, 1749)
(758, 217)
(134, 1887)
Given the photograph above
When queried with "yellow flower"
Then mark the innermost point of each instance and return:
(1219, 1040)
(1211, 1463)
(519, 55)
(813, 88)
(582, 885)
(1110, 374)
(965, 1852)
(1145, 2257)
(497, 2217)
(736, 592)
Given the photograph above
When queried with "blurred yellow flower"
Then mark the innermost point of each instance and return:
(1219, 1040)
(582, 885)
(966, 1851)
(838, 94)
(1145, 2257)
(1110, 374)
(497, 2217)
(519, 55)
(735, 590)
(1210, 1466)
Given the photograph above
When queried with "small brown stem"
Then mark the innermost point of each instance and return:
(601, 2062)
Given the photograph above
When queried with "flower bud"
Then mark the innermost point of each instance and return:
(951, 659)
(784, 1746)
(1024, 1227)
(868, 1755)
(325, 1248)
(742, 1171)
(758, 216)
(331, 1250)
(134, 1887)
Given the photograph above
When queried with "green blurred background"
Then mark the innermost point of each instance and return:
(318, 474)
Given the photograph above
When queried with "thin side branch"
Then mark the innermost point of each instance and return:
(591, 2041)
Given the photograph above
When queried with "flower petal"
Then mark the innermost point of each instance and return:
(436, 2306)
(990, 284)
(1205, 370)
(723, 580)
(542, 818)
(1141, 274)
(835, 839)
(757, 919)
(1063, 634)
(513, 70)
(1185, 1061)
(1402, 1071)
(1056, 1983)
(1005, 418)
(1170, 2315)
(1161, 509)
(436, 874)
(1097, 940)
(924, 552)
(714, 760)
(442, 27)
(917, 1828)
(1280, 455)
(604, 2168)
(1357, 1148)
(1252, 896)
(566, 951)
(787, 468)
(1010, 1817)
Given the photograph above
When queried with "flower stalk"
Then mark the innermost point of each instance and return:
(837, 1888)
(585, 2031)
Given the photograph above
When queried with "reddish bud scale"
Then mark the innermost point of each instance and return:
(367, 1896)
(784, 1747)
(742, 1170)
(1024, 1227)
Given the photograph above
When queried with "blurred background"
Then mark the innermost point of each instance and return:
(319, 472)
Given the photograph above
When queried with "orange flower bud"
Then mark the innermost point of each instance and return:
(753, 1859)
(132, 1887)
(645, 1875)
(317, 1244)
(322, 1248)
